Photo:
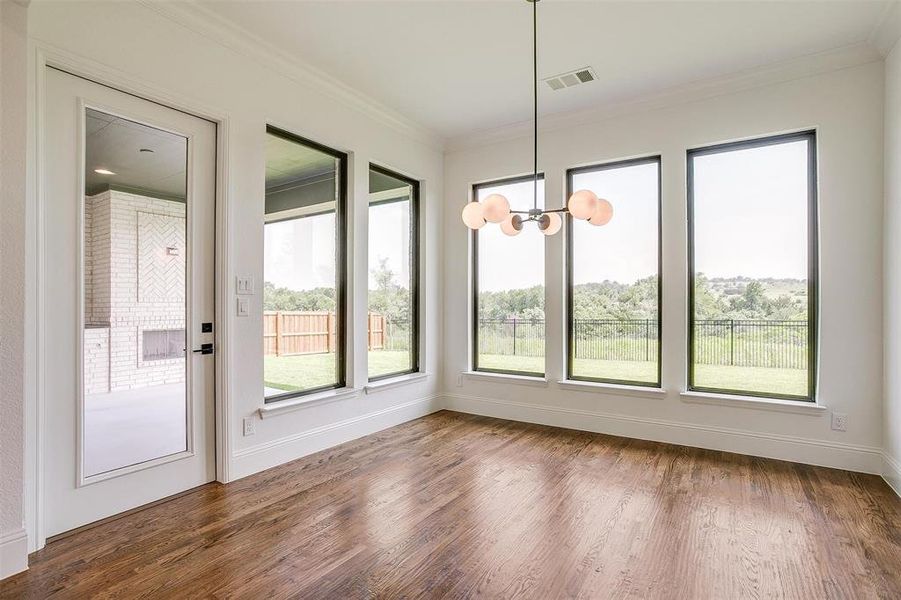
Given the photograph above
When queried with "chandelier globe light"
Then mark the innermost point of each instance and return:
(550, 223)
(474, 215)
(496, 208)
(583, 204)
(602, 213)
(512, 225)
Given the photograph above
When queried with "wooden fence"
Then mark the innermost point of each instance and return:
(287, 333)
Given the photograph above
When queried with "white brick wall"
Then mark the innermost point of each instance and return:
(96, 360)
(129, 233)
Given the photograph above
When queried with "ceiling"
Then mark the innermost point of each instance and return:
(461, 66)
(289, 162)
(115, 144)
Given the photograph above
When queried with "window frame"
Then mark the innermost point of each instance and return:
(415, 250)
(568, 284)
(474, 299)
(341, 255)
(813, 259)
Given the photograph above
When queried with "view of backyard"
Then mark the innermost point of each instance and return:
(308, 371)
(753, 334)
(749, 333)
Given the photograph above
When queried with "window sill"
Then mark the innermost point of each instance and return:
(799, 407)
(292, 404)
(613, 389)
(529, 380)
(393, 382)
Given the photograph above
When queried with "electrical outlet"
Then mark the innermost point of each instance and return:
(839, 421)
(460, 380)
(250, 426)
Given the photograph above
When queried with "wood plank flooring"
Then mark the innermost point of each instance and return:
(458, 506)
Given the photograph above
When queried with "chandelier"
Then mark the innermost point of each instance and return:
(583, 204)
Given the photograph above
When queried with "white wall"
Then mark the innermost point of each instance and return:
(892, 418)
(13, 27)
(144, 48)
(845, 106)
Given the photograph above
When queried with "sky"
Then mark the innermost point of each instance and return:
(389, 238)
(750, 210)
(750, 216)
(511, 262)
(300, 254)
(625, 249)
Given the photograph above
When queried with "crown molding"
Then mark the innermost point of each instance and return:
(781, 72)
(887, 30)
(208, 23)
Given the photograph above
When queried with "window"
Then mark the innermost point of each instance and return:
(508, 288)
(393, 324)
(613, 284)
(753, 267)
(303, 267)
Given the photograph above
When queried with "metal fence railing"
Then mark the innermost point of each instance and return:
(752, 343)
(611, 339)
(738, 342)
(519, 337)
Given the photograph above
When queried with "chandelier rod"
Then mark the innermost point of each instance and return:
(535, 103)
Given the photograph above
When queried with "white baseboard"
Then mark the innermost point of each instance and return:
(254, 459)
(863, 459)
(13, 552)
(891, 472)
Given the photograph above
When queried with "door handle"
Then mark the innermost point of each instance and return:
(205, 349)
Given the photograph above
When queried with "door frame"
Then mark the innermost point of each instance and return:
(45, 56)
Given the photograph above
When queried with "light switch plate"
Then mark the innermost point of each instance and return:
(244, 285)
(243, 307)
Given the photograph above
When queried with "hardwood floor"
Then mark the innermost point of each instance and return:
(457, 506)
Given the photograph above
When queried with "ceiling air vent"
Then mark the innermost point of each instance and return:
(565, 80)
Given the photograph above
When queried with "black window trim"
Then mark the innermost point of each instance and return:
(568, 284)
(475, 281)
(340, 265)
(415, 261)
(808, 135)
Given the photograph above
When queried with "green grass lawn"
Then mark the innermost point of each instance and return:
(295, 373)
(752, 379)
(309, 371)
(748, 379)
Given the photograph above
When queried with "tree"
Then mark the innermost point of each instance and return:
(280, 298)
(388, 298)
(708, 305)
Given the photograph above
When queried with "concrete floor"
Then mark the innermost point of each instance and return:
(133, 426)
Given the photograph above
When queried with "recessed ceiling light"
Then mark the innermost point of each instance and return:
(104, 171)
